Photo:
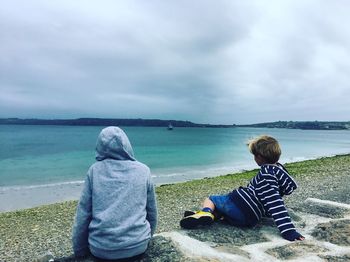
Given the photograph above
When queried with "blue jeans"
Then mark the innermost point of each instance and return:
(224, 205)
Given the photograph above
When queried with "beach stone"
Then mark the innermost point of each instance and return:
(344, 258)
(223, 233)
(160, 249)
(163, 249)
(294, 250)
(336, 232)
(323, 209)
(74, 259)
(47, 257)
(231, 249)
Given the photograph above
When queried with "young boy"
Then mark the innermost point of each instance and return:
(117, 213)
(262, 197)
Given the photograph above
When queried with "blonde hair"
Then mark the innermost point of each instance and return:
(267, 147)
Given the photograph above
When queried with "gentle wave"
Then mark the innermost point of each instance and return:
(300, 159)
(208, 171)
(7, 188)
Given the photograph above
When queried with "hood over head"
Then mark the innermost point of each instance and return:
(113, 143)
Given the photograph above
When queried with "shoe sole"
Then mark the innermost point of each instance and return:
(191, 222)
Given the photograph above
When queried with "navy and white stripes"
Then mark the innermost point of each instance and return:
(263, 195)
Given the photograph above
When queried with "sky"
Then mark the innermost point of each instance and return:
(219, 62)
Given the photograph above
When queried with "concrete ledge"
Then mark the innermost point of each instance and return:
(324, 208)
(327, 239)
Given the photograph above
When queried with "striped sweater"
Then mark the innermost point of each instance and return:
(263, 197)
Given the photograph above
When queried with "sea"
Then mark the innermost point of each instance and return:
(33, 155)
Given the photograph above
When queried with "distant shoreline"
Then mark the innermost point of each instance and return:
(107, 122)
(304, 125)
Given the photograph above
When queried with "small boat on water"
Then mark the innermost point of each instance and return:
(170, 127)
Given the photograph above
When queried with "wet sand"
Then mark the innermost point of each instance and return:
(15, 198)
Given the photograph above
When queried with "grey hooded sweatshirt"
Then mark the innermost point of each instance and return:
(117, 213)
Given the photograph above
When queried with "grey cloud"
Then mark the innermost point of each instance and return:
(175, 59)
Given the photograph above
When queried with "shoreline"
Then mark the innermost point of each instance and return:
(30, 233)
(15, 198)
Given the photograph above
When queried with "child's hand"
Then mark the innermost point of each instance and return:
(292, 236)
(301, 238)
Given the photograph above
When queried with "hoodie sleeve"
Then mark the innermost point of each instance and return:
(268, 194)
(82, 220)
(151, 208)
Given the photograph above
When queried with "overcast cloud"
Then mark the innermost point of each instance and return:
(203, 61)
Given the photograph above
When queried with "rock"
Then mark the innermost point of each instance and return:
(223, 242)
(295, 250)
(228, 248)
(336, 232)
(324, 208)
(162, 249)
(344, 258)
(47, 257)
(223, 233)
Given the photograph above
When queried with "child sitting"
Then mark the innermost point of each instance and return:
(262, 197)
(117, 213)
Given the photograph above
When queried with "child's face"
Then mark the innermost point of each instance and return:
(259, 160)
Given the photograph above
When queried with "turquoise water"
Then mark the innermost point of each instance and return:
(35, 155)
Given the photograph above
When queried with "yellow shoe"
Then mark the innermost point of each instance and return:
(189, 213)
(200, 218)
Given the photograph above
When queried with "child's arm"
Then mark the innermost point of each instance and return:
(82, 221)
(268, 194)
(151, 207)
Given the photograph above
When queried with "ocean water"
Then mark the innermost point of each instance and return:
(40, 155)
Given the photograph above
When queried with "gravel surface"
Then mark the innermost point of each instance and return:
(31, 233)
(336, 232)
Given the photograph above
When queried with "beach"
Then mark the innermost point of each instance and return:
(15, 198)
(30, 233)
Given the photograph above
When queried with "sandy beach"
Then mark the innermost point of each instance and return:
(15, 198)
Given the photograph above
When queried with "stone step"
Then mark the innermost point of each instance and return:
(327, 239)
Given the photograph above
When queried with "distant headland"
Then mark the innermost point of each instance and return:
(106, 122)
(308, 125)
